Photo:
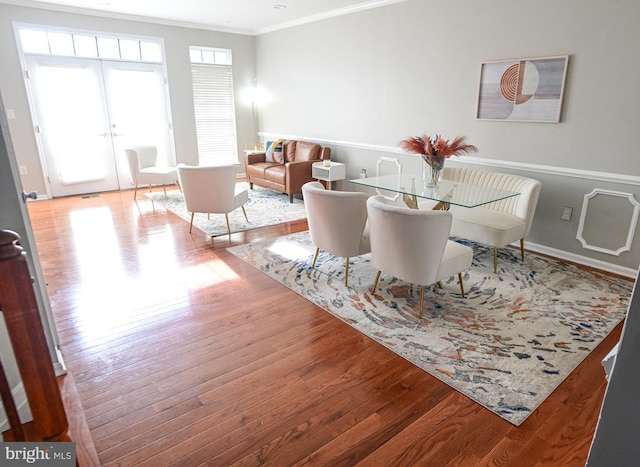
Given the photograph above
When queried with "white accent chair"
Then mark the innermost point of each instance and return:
(413, 245)
(211, 190)
(337, 222)
(497, 224)
(142, 162)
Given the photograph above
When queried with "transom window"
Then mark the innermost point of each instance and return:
(69, 44)
(210, 56)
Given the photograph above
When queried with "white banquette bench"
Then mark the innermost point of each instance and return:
(500, 223)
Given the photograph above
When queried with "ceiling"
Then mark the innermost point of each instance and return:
(238, 16)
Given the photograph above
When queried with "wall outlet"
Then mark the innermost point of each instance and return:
(566, 213)
(23, 170)
(11, 115)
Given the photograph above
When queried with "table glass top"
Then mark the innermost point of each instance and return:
(458, 194)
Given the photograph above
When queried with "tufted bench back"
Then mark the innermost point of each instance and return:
(522, 206)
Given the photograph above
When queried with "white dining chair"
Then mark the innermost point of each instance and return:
(142, 162)
(211, 189)
(337, 222)
(413, 245)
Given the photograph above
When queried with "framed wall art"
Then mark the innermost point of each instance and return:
(522, 90)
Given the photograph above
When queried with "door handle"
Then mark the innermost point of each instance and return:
(30, 195)
(116, 134)
(103, 134)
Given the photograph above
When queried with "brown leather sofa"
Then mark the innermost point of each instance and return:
(289, 169)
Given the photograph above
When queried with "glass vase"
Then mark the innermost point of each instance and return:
(432, 172)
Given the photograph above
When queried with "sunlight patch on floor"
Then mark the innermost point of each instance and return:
(109, 298)
(288, 250)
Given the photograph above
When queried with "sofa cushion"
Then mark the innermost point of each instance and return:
(276, 173)
(289, 152)
(258, 169)
(306, 151)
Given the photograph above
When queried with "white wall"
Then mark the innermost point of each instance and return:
(363, 82)
(176, 42)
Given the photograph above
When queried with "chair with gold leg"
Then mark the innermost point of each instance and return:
(143, 169)
(337, 222)
(211, 190)
(413, 245)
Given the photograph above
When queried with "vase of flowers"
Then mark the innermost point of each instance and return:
(434, 152)
(432, 172)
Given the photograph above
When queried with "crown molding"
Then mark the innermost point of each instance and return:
(328, 14)
(367, 5)
(122, 16)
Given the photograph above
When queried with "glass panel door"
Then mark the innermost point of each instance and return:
(73, 124)
(137, 111)
(88, 111)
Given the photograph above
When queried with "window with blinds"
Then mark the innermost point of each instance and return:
(214, 108)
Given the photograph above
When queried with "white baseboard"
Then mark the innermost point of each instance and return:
(579, 259)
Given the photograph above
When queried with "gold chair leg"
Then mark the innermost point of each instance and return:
(208, 216)
(191, 223)
(346, 274)
(179, 187)
(375, 283)
(495, 260)
(440, 284)
(522, 248)
(135, 192)
(421, 300)
(461, 284)
(164, 188)
(245, 213)
(226, 215)
(315, 257)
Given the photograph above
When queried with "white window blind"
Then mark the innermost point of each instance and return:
(215, 114)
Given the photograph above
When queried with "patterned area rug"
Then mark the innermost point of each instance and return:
(265, 207)
(514, 338)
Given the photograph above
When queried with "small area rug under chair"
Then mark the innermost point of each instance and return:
(265, 207)
(514, 338)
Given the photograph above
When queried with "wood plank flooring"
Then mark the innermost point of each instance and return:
(184, 355)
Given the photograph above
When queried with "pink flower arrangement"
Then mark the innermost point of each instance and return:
(434, 151)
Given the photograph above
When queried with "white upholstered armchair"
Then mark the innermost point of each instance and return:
(211, 190)
(413, 245)
(337, 222)
(142, 162)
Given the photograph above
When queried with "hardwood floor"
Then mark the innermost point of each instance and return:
(184, 355)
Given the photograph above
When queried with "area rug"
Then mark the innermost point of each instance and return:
(265, 207)
(514, 338)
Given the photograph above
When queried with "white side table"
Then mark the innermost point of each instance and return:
(335, 172)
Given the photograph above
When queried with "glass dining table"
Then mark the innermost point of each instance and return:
(447, 192)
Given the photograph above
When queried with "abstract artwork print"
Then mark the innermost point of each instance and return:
(529, 90)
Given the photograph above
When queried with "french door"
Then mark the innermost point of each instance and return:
(88, 111)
